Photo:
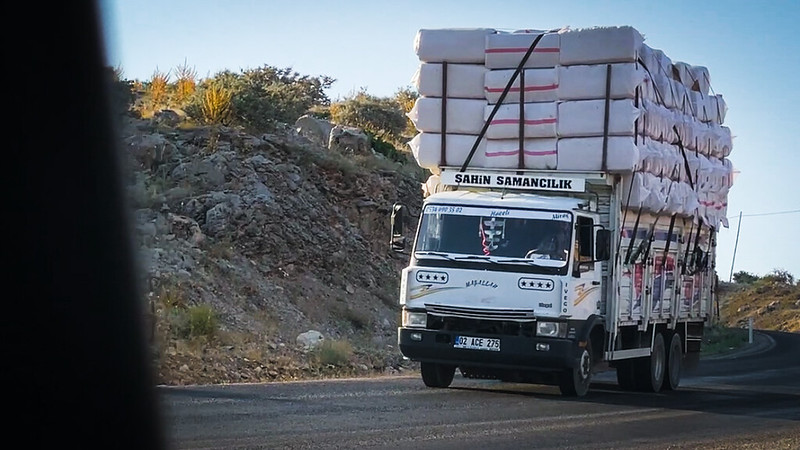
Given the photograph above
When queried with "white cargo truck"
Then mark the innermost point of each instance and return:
(601, 257)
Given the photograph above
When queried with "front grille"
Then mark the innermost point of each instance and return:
(480, 313)
(482, 326)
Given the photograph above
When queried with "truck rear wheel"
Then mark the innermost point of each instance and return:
(437, 375)
(575, 382)
(650, 370)
(674, 362)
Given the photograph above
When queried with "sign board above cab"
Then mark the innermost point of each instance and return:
(512, 181)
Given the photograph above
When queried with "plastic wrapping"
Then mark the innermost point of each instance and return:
(463, 80)
(540, 120)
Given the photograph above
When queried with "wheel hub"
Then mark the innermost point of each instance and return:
(585, 365)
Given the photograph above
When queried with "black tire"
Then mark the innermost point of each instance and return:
(650, 371)
(575, 382)
(626, 377)
(672, 377)
(437, 375)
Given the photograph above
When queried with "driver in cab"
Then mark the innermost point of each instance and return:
(554, 245)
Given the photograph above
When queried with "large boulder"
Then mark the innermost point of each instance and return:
(316, 130)
(349, 140)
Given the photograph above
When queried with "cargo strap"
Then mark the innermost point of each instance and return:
(500, 101)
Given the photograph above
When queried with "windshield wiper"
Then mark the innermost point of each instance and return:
(439, 254)
(478, 257)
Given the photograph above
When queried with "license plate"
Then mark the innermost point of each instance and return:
(477, 343)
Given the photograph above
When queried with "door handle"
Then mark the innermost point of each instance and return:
(595, 283)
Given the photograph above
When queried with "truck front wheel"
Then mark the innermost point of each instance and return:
(437, 375)
(575, 382)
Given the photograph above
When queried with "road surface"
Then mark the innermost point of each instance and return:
(746, 400)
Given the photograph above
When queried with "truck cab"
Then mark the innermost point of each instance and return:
(504, 285)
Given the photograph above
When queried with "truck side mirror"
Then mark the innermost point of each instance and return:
(602, 245)
(398, 241)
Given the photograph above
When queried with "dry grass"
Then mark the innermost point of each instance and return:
(771, 303)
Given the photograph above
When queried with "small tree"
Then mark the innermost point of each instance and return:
(157, 89)
(186, 83)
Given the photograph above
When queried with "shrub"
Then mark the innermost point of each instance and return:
(406, 97)
(778, 276)
(157, 89)
(186, 83)
(334, 353)
(383, 117)
(216, 108)
(202, 321)
(743, 277)
(263, 97)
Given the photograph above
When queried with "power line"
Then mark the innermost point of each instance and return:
(767, 213)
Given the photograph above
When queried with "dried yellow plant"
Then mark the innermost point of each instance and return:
(216, 104)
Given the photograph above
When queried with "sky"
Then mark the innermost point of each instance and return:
(751, 48)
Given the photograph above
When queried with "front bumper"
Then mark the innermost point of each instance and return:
(516, 352)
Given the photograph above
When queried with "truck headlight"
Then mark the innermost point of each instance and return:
(551, 329)
(413, 319)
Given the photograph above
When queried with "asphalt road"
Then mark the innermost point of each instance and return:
(744, 400)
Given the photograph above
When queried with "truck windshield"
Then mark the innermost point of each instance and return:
(513, 235)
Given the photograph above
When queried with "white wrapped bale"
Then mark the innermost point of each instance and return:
(427, 150)
(588, 82)
(541, 85)
(538, 154)
(695, 78)
(712, 108)
(587, 154)
(682, 72)
(655, 61)
(464, 116)
(641, 190)
(539, 121)
(702, 79)
(657, 122)
(463, 80)
(457, 45)
(600, 45)
(506, 50)
(587, 117)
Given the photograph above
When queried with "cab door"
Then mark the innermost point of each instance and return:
(586, 269)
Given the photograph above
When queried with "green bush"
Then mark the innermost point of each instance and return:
(743, 277)
(334, 353)
(202, 321)
(778, 276)
(383, 117)
(263, 97)
(192, 322)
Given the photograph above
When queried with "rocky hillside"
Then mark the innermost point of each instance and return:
(264, 257)
(773, 301)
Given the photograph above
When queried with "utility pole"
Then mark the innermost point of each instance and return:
(733, 260)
